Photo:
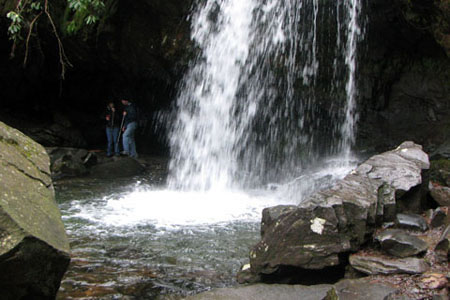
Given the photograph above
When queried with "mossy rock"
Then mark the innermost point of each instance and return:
(34, 248)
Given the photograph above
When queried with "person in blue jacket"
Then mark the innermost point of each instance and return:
(129, 128)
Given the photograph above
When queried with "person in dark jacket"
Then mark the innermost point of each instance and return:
(130, 126)
(112, 118)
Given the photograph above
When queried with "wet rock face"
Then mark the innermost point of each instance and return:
(339, 219)
(373, 265)
(404, 74)
(34, 249)
(411, 221)
(398, 243)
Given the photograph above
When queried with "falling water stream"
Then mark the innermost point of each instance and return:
(265, 115)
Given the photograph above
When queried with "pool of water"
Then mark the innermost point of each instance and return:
(142, 241)
(133, 239)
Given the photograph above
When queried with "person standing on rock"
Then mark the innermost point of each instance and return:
(129, 128)
(112, 129)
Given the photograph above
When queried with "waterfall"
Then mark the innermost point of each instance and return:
(272, 90)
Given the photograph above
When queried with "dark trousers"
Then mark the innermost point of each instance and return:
(112, 134)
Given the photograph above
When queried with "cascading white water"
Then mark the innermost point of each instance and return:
(353, 9)
(249, 110)
(272, 90)
(205, 128)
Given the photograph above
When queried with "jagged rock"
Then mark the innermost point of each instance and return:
(67, 162)
(373, 265)
(440, 194)
(118, 167)
(398, 243)
(444, 242)
(340, 218)
(438, 217)
(271, 214)
(34, 249)
(411, 221)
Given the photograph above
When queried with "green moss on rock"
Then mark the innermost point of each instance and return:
(34, 248)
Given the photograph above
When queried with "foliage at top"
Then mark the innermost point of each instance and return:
(27, 13)
(84, 12)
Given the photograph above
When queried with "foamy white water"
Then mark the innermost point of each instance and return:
(174, 209)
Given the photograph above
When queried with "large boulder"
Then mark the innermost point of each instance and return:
(34, 249)
(340, 219)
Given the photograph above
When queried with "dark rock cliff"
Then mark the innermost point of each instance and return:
(140, 50)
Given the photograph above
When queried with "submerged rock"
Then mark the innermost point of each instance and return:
(399, 243)
(34, 249)
(373, 265)
(341, 218)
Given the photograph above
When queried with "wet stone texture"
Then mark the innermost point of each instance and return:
(34, 249)
(340, 219)
(401, 244)
(379, 264)
(361, 289)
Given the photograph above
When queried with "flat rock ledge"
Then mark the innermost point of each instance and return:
(338, 220)
(377, 264)
(34, 249)
(361, 289)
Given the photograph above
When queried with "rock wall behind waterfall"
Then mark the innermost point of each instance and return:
(141, 49)
(405, 76)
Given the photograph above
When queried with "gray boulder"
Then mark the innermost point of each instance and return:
(34, 249)
(399, 243)
(377, 264)
(341, 218)
(411, 221)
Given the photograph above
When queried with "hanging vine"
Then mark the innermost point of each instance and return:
(27, 13)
